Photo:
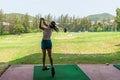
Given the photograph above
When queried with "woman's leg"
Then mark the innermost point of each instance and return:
(44, 57)
(51, 62)
(50, 56)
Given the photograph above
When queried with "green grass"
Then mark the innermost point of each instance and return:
(68, 48)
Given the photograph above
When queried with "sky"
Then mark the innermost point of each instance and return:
(79, 8)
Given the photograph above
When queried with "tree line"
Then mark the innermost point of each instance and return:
(24, 23)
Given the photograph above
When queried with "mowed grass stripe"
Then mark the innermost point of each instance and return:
(87, 47)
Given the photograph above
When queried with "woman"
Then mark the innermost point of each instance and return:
(46, 43)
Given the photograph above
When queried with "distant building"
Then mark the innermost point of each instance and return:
(106, 22)
(6, 23)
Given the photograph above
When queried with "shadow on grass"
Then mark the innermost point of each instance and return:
(36, 58)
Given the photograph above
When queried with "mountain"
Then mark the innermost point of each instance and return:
(99, 17)
(94, 17)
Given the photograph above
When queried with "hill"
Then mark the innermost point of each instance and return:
(94, 17)
(99, 17)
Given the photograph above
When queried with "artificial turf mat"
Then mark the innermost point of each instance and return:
(62, 72)
(117, 66)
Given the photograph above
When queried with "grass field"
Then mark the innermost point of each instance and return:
(68, 48)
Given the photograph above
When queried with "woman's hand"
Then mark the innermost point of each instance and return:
(42, 19)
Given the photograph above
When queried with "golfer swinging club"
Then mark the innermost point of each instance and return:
(46, 43)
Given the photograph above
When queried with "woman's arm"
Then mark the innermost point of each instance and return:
(45, 23)
(56, 29)
(40, 24)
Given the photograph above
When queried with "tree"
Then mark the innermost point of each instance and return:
(18, 29)
(1, 22)
(26, 23)
(11, 21)
(35, 23)
(48, 17)
(85, 24)
(1, 15)
(95, 26)
(117, 18)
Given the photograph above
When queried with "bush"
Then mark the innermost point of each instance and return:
(99, 29)
(34, 31)
(18, 29)
(6, 33)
